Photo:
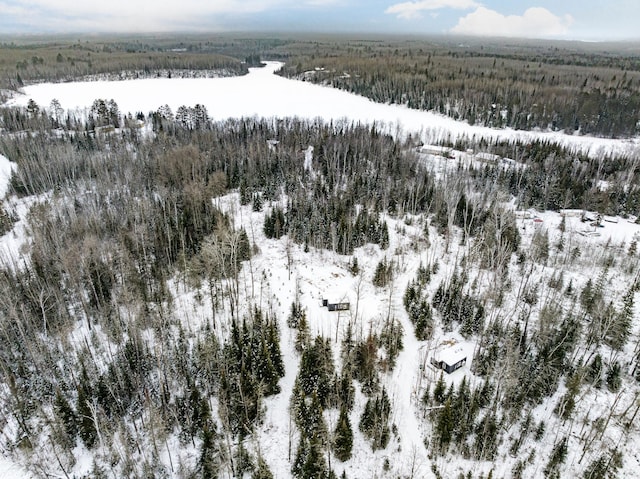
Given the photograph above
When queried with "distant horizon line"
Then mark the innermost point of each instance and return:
(33, 35)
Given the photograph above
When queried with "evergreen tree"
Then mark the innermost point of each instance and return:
(464, 412)
(245, 196)
(343, 436)
(343, 390)
(391, 341)
(293, 320)
(444, 427)
(588, 296)
(557, 458)
(67, 415)
(310, 462)
(613, 379)
(242, 461)
(86, 425)
(257, 206)
(439, 392)
(262, 470)
(618, 334)
(317, 370)
(419, 311)
(540, 246)
(365, 362)
(315, 465)
(33, 109)
(200, 116)
(595, 370)
(251, 367)
(374, 422)
(605, 466)
(354, 269)
(243, 252)
(312, 422)
(383, 274)
(567, 403)
(275, 224)
(303, 336)
(302, 451)
(383, 235)
(633, 248)
(209, 454)
(272, 339)
(486, 444)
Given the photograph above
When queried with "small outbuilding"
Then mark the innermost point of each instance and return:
(335, 306)
(338, 306)
(450, 359)
(436, 150)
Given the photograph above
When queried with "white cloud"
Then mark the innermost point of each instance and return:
(11, 9)
(535, 22)
(409, 10)
(138, 15)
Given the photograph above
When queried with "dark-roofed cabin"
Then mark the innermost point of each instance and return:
(338, 306)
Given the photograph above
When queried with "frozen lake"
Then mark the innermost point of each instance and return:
(264, 94)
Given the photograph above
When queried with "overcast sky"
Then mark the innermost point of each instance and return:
(561, 19)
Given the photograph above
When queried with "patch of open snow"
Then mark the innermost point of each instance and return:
(6, 167)
(308, 161)
(13, 242)
(10, 470)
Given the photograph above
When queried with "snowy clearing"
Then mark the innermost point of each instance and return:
(6, 167)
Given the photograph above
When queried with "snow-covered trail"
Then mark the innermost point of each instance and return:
(262, 93)
(402, 387)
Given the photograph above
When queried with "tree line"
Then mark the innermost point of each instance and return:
(519, 87)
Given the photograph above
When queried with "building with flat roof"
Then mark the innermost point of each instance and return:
(449, 359)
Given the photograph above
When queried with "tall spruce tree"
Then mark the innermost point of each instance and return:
(343, 436)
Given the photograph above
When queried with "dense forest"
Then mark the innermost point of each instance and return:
(498, 86)
(145, 324)
(26, 62)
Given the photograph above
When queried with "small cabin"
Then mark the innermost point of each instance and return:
(450, 359)
(487, 157)
(436, 150)
(338, 306)
(335, 306)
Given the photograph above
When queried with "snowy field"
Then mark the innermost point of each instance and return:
(263, 94)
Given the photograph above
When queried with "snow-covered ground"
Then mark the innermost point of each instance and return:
(10, 470)
(263, 94)
(9, 245)
(6, 167)
(320, 274)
